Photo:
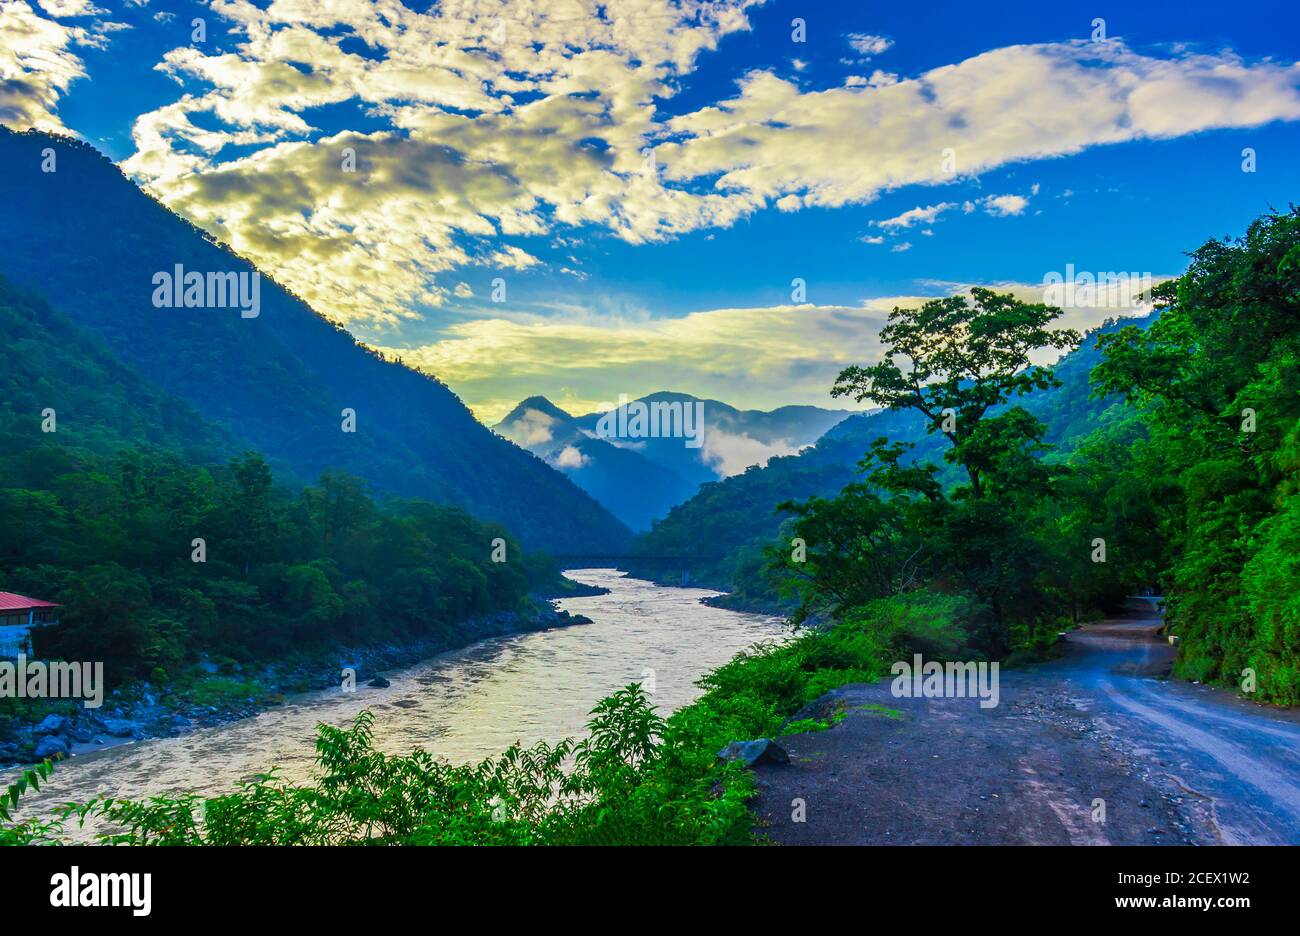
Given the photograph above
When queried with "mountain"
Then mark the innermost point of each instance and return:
(108, 484)
(731, 440)
(728, 523)
(94, 244)
(641, 476)
(50, 364)
(634, 488)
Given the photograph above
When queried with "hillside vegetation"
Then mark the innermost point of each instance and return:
(106, 482)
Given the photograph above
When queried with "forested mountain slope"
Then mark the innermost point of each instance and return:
(90, 241)
(60, 384)
(163, 540)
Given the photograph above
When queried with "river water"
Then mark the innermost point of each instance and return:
(463, 706)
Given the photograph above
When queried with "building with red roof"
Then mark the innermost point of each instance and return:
(18, 615)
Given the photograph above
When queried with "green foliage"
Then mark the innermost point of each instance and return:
(902, 528)
(32, 830)
(1269, 583)
(751, 695)
(857, 548)
(963, 359)
(1215, 380)
(633, 780)
(283, 573)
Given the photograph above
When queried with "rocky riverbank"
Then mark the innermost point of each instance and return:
(218, 693)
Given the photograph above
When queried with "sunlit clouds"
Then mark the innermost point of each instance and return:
(39, 61)
(488, 142)
(378, 160)
(766, 356)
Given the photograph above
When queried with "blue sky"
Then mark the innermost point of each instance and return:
(506, 142)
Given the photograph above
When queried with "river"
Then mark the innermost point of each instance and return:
(462, 706)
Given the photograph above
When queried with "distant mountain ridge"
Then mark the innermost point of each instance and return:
(90, 241)
(633, 488)
(641, 478)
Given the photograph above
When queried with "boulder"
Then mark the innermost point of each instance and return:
(379, 682)
(50, 746)
(52, 724)
(759, 751)
(121, 727)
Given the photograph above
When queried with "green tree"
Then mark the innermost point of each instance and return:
(953, 361)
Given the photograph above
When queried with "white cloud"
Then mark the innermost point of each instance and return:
(533, 427)
(1002, 206)
(70, 8)
(848, 145)
(999, 206)
(913, 216)
(867, 45)
(569, 458)
(729, 454)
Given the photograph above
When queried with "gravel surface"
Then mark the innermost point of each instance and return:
(1173, 763)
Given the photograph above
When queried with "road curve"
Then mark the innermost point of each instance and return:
(1094, 748)
(1241, 760)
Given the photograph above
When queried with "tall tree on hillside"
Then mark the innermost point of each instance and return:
(953, 360)
(251, 528)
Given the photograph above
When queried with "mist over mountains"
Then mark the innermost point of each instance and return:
(639, 475)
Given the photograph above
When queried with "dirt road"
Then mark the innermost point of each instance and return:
(1093, 748)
